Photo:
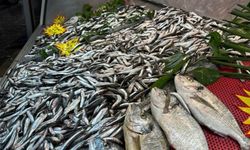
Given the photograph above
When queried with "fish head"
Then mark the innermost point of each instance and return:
(186, 84)
(97, 143)
(138, 120)
(159, 98)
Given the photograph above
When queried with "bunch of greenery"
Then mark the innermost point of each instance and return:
(221, 56)
(221, 45)
(110, 6)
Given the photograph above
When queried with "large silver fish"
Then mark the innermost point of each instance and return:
(209, 110)
(141, 132)
(181, 130)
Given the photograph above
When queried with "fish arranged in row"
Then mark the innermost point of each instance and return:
(180, 128)
(178, 116)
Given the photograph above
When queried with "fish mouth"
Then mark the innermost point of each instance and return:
(138, 120)
(155, 104)
(139, 128)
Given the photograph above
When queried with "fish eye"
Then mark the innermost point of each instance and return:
(143, 115)
(199, 88)
(190, 79)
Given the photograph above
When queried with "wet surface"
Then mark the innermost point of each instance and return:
(12, 34)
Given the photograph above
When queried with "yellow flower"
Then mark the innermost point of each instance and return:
(54, 29)
(246, 109)
(66, 48)
(59, 19)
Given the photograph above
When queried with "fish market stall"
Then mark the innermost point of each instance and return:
(129, 77)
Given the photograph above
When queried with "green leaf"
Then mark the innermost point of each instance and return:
(244, 7)
(234, 65)
(241, 14)
(173, 61)
(87, 7)
(162, 81)
(205, 75)
(237, 20)
(228, 59)
(238, 47)
(244, 25)
(172, 66)
(237, 31)
(43, 54)
(215, 43)
(221, 58)
(110, 6)
(235, 75)
(215, 38)
(87, 11)
(150, 14)
(179, 65)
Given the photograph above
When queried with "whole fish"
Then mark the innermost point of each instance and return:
(141, 132)
(180, 128)
(208, 110)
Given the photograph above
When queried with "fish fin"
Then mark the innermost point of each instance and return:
(203, 101)
(181, 101)
(245, 143)
(165, 109)
(245, 109)
(247, 122)
(244, 99)
(247, 92)
(220, 134)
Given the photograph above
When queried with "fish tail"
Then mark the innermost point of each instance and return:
(245, 144)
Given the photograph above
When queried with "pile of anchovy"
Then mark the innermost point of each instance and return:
(73, 102)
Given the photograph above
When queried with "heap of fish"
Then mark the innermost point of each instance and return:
(80, 101)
